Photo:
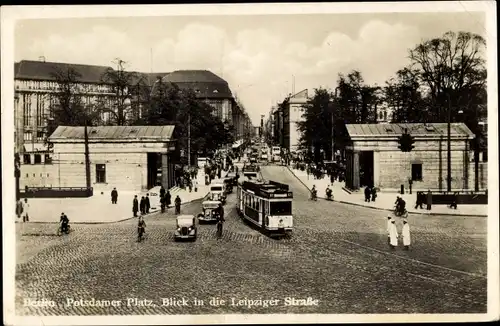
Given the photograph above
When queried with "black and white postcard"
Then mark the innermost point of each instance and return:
(250, 163)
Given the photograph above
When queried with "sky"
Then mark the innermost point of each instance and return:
(263, 57)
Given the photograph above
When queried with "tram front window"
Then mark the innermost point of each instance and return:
(281, 208)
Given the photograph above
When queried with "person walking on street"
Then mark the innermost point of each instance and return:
(162, 192)
(148, 204)
(168, 199)
(374, 193)
(393, 233)
(177, 205)
(143, 205)
(135, 206)
(26, 210)
(195, 184)
(19, 208)
(389, 222)
(429, 200)
(220, 220)
(114, 196)
(406, 235)
(367, 194)
(420, 200)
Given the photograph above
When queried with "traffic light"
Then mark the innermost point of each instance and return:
(406, 142)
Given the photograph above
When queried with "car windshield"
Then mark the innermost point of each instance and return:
(185, 222)
(281, 208)
(216, 188)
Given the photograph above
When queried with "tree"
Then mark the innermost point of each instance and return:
(403, 96)
(66, 106)
(315, 126)
(452, 71)
(124, 85)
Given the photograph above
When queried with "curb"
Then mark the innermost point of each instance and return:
(384, 209)
(112, 222)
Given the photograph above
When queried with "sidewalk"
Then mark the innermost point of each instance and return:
(98, 208)
(384, 200)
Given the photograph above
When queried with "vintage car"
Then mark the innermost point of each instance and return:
(233, 178)
(217, 192)
(209, 213)
(186, 228)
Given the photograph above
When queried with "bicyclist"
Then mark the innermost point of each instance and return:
(64, 221)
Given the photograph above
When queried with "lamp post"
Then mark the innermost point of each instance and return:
(448, 161)
(333, 108)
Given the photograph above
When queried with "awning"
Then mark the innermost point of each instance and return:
(35, 147)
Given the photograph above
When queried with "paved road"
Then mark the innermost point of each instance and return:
(337, 255)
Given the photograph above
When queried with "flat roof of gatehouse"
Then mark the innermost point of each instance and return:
(113, 133)
(420, 130)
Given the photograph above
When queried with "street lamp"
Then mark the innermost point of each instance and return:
(333, 108)
(448, 179)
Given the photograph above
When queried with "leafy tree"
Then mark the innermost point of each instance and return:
(67, 108)
(316, 124)
(452, 71)
(402, 94)
(124, 85)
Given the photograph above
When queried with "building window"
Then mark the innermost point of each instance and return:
(100, 173)
(27, 159)
(385, 115)
(416, 172)
(48, 159)
(40, 135)
(27, 136)
(38, 159)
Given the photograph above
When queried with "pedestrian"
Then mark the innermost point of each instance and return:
(190, 184)
(148, 204)
(389, 222)
(135, 206)
(374, 194)
(26, 210)
(114, 196)
(162, 192)
(454, 201)
(168, 198)
(177, 205)
(429, 200)
(393, 233)
(142, 205)
(19, 208)
(367, 194)
(331, 178)
(406, 235)
(420, 200)
(195, 185)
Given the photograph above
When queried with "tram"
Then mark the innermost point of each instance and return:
(268, 205)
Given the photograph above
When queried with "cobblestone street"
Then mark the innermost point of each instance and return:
(337, 255)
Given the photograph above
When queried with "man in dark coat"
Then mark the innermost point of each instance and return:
(142, 205)
(420, 200)
(162, 192)
(367, 193)
(135, 206)
(168, 199)
(114, 196)
(429, 200)
(374, 193)
(177, 205)
(148, 204)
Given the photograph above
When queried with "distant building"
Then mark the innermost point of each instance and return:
(373, 157)
(384, 113)
(208, 87)
(130, 158)
(296, 110)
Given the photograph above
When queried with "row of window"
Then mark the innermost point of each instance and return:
(37, 159)
(52, 86)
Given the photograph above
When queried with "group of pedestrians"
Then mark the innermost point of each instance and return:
(23, 209)
(393, 235)
(144, 205)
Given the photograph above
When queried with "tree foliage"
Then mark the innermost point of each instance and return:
(66, 106)
(169, 105)
(126, 86)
